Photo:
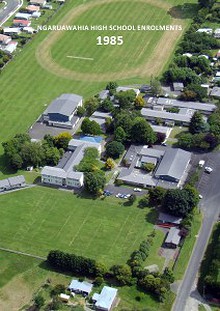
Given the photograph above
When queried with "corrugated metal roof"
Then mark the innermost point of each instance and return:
(81, 286)
(165, 115)
(173, 236)
(173, 163)
(66, 104)
(15, 180)
(106, 298)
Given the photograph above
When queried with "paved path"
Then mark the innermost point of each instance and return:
(21, 253)
(11, 7)
(211, 209)
(18, 189)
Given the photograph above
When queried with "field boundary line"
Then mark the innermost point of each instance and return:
(21, 253)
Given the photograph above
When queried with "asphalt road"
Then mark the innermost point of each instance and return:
(209, 187)
(10, 7)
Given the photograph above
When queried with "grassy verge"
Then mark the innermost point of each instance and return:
(187, 248)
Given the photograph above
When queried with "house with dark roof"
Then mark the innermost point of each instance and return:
(62, 111)
(215, 92)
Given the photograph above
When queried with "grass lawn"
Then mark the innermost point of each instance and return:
(104, 230)
(176, 130)
(187, 248)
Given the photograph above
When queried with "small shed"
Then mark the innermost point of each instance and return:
(64, 297)
(178, 86)
(173, 238)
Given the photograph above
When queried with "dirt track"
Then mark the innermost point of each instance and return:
(152, 66)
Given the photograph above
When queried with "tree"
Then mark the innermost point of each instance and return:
(32, 154)
(125, 98)
(125, 120)
(197, 123)
(160, 137)
(207, 3)
(91, 105)
(139, 102)
(39, 301)
(62, 140)
(141, 132)
(109, 164)
(178, 202)
(193, 195)
(149, 167)
(200, 92)
(155, 86)
(81, 111)
(122, 273)
(120, 134)
(112, 85)
(16, 161)
(90, 127)
(94, 181)
(52, 156)
(132, 199)
(114, 149)
(106, 105)
(156, 195)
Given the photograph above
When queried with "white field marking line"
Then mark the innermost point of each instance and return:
(78, 57)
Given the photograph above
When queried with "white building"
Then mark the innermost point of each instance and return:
(105, 300)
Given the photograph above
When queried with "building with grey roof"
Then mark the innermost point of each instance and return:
(205, 108)
(167, 218)
(178, 86)
(173, 165)
(58, 177)
(62, 111)
(215, 92)
(105, 300)
(167, 117)
(173, 238)
(65, 174)
(100, 118)
(4, 185)
(170, 167)
(12, 183)
(80, 287)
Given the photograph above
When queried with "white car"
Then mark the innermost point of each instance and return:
(118, 195)
(208, 169)
(200, 196)
(137, 190)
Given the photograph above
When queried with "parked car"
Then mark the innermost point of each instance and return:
(163, 144)
(137, 190)
(201, 163)
(208, 169)
(200, 196)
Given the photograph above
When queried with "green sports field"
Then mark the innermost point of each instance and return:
(40, 219)
(137, 46)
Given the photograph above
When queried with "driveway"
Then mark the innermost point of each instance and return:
(9, 9)
(209, 205)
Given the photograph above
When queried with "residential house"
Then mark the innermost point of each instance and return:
(12, 30)
(4, 40)
(217, 33)
(10, 47)
(106, 299)
(38, 2)
(21, 23)
(33, 8)
(165, 218)
(78, 287)
(4, 185)
(23, 16)
(173, 238)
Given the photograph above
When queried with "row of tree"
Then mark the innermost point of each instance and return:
(21, 152)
